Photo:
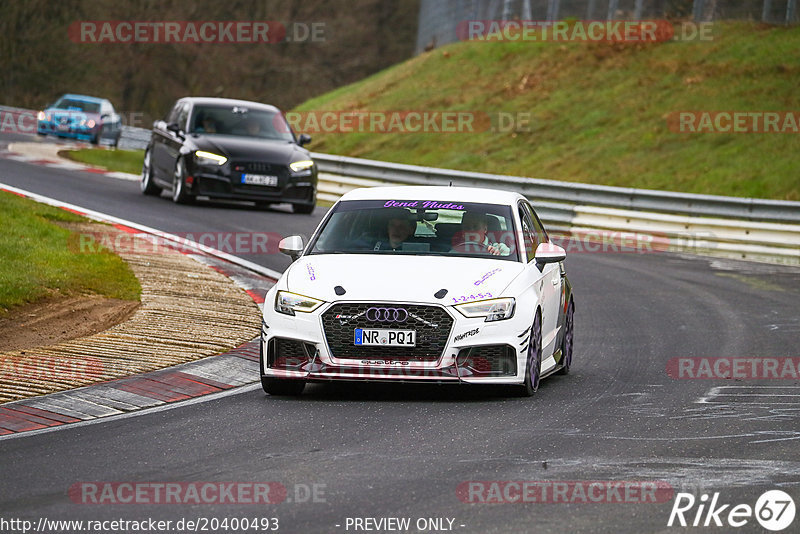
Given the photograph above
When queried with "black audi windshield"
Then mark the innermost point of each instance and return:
(240, 121)
(419, 227)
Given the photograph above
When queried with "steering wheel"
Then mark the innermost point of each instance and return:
(464, 244)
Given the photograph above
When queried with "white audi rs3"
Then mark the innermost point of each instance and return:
(423, 284)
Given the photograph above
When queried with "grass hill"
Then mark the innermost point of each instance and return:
(598, 111)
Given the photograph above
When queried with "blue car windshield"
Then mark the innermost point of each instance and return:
(77, 105)
(419, 227)
(242, 122)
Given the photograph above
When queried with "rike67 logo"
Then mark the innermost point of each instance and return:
(774, 510)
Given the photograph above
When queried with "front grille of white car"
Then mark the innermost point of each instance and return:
(432, 325)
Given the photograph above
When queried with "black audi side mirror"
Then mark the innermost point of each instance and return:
(304, 139)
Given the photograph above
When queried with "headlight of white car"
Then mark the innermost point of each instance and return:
(288, 303)
(493, 310)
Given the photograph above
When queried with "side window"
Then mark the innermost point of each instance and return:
(172, 116)
(528, 233)
(183, 116)
(538, 228)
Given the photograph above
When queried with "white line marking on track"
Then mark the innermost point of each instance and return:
(156, 409)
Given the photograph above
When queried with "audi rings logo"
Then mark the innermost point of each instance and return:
(387, 315)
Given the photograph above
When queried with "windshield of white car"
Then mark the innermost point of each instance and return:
(240, 122)
(419, 227)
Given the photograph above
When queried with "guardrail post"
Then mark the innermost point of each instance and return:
(637, 10)
(791, 9)
(766, 9)
(697, 10)
(612, 9)
(553, 7)
(506, 9)
(526, 10)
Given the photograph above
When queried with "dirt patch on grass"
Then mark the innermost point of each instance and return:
(58, 319)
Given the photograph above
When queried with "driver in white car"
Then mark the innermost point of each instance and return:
(473, 236)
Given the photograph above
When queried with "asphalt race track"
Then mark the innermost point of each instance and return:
(399, 451)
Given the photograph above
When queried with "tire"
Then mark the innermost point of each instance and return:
(304, 209)
(281, 387)
(566, 343)
(179, 194)
(534, 360)
(96, 138)
(146, 183)
(115, 142)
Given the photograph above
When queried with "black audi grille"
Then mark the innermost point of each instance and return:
(259, 167)
(431, 323)
(489, 360)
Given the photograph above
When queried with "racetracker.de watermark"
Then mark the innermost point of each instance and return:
(408, 121)
(247, 243)
(764, 368)
(564, 492)
(785, 122)
(195, 32)
(43, 368)
(584, 31)
(17, 121)
(25, 121)
(197, 492)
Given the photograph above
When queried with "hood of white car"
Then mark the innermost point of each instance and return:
(369, 277)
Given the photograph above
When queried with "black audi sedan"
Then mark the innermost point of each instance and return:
(229, 149)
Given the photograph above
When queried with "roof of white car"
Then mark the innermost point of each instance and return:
(437, 193)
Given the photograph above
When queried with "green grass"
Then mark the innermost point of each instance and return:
(129, 161)
(598, 111)
(37, 259)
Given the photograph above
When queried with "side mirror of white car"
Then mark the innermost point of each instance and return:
(292, 246)
(549, 253)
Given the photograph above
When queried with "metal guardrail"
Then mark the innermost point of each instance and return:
(744, 228)
(568, 193)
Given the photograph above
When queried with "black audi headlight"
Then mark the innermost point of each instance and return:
(302, 167)
(209, 159)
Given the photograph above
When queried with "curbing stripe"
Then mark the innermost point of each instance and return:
(42, 413)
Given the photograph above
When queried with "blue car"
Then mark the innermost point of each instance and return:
(81, 117)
